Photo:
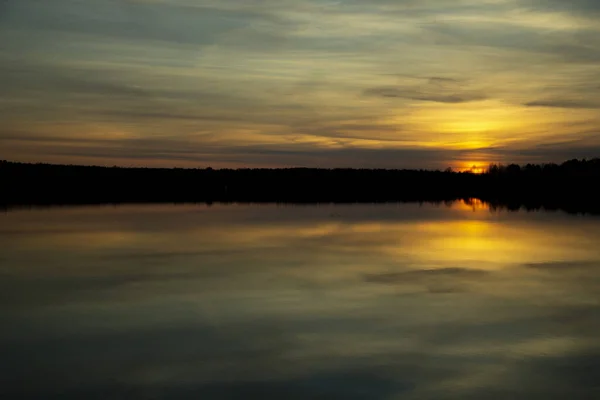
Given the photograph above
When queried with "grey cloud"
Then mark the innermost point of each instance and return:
(164, 115)
(157, 255)
(267, 155)
(442, 80)
(577, 7)
(128, 20)
(426, 93)
(420, 8)
(366, 128)
(80, 83)
(384, 92)
(52, 79)
(563, 103)
(588, 146)
(203, 153)
(563, 266)
(526, 43)
(423, 275)
(458, 98)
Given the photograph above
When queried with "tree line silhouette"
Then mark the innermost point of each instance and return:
(570, 186)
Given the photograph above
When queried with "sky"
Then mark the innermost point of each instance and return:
(299, 83)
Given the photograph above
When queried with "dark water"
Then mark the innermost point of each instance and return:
(285, 302)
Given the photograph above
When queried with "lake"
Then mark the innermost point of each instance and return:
(388, 301)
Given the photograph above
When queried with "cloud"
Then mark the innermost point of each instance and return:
(515, 42)
(577, 7)
(292, 155)
(563, 266)
(435, 89)
(563, 104)
(587, 146)
(424, 274)
(148, 21)
(442, 80)
(460, 98)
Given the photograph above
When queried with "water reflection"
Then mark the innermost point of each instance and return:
(357, 301)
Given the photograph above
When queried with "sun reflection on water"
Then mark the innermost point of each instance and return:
(473, 204)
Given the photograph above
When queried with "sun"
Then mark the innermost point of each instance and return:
(476, 167)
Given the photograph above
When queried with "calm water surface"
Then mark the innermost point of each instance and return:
(287, 302)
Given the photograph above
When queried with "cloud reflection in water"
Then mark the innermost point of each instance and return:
(358, 301)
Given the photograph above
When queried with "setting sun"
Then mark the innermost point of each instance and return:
(473, 167)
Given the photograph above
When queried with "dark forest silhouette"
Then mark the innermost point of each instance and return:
(570, 186)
